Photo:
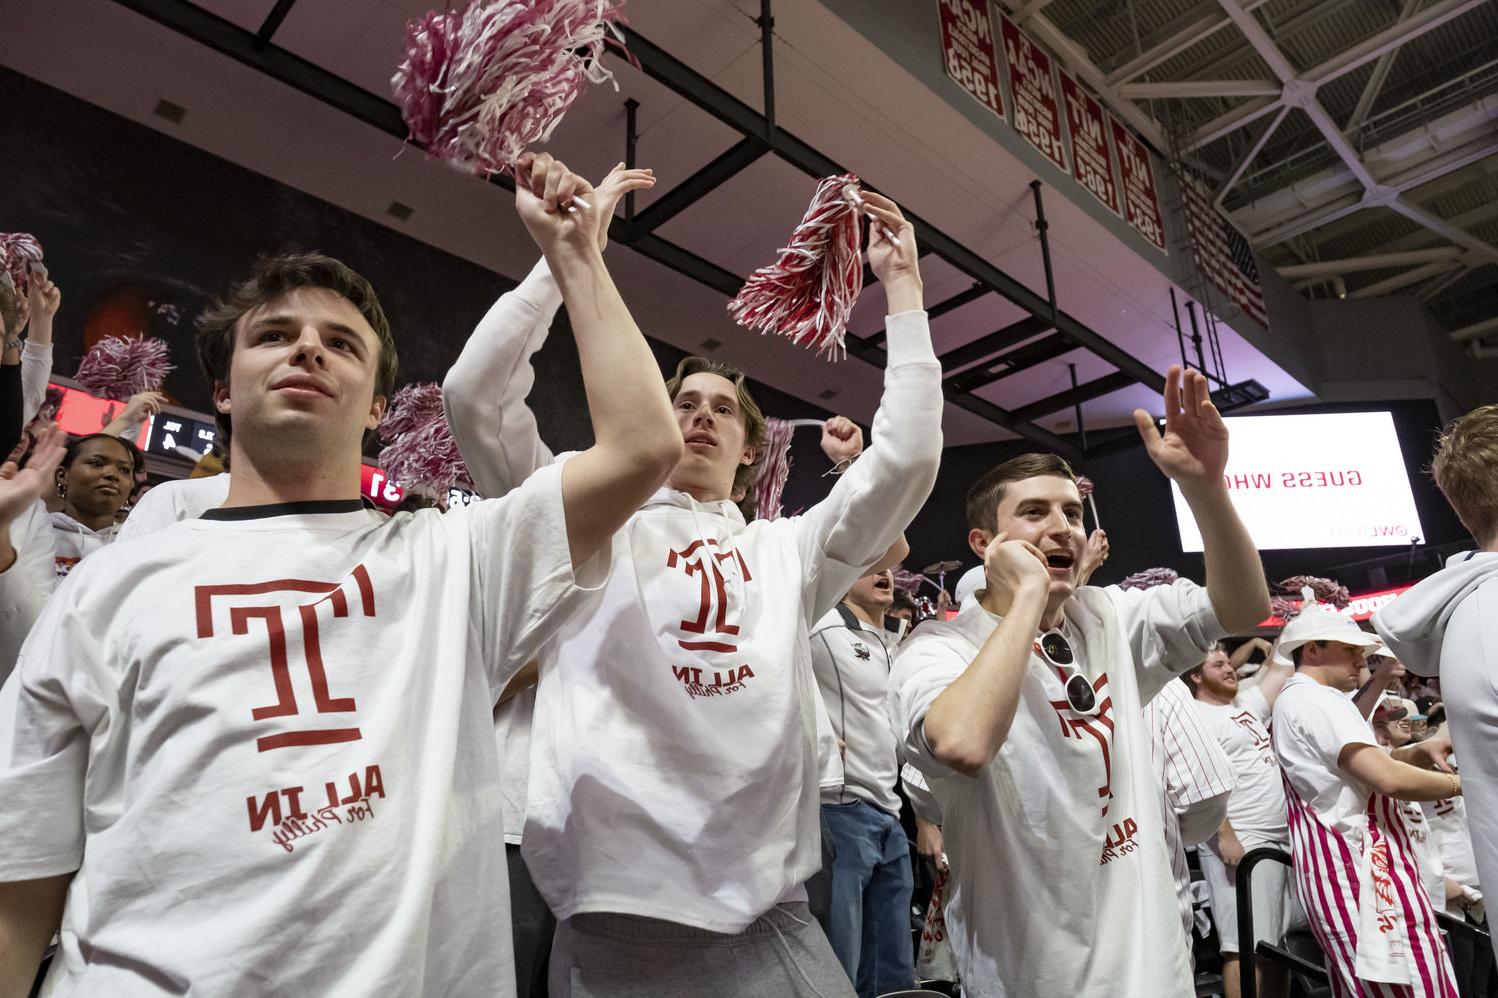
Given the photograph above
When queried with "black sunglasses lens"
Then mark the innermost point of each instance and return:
(1056, 648)
(1080, 695)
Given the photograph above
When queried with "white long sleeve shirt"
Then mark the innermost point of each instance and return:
(673, 758)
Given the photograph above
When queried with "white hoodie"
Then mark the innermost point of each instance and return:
(1448, 626)
(673, 761)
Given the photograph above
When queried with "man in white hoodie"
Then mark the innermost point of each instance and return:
(673, 795)
(1448, 624)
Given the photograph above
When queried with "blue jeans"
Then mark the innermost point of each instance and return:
(869, 924)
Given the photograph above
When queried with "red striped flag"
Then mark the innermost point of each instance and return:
(1223, 256)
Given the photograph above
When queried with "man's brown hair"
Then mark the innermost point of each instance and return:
(1466, 470)
(749, 414)
(984, 495)
(271, 277)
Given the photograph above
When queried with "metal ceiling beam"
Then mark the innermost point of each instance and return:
(272, 22)
(736, 158)
(1389, 39)
(1440, 284)
(1302, 93)
(1404, 280)
(1185, 89)
(228, 38)
(1380, 261)
(1249, 157)
(987, 346)
(1085, 392)
(1184, 33)
(1011, 363)
(707, 95)
(1445, 229)
(1230, 121)
(1375, 84)
(961, 298)
(1475, 330)
(1324, 197)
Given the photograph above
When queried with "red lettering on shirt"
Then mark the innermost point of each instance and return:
(240, 617)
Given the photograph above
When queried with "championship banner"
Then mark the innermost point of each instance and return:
(967, 49)
(1140, 196)
(1032, 85)
(1092, 160)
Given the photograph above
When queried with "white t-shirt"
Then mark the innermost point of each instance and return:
(674, 772)
(512, 736)
(852, 666)
(172, 502)
(264, 742)
(1061, 882)
(1310, 730)
(1256, 808)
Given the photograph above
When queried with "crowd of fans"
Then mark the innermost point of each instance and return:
(600, 735)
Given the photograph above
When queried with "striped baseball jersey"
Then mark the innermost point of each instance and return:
(1195, 780)
(1333, 819)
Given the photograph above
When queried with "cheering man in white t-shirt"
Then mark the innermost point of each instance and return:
(672, 805)
(1024, 713)
(258, 743)
(1239, 721)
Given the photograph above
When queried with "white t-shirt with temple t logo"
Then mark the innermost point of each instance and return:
(263, 741)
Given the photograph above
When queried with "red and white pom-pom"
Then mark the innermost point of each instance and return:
(774, 469)
(121, 366)
(808, 294)
(909, 581)
(420, 453)
(1326, 590)
(18, 251)
(1321, 590)
(480, 85)
(1150, 578)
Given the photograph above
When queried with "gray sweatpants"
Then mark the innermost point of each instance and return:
(784, 954)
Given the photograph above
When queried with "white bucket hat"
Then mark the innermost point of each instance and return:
(1321, 623)
(972, 580)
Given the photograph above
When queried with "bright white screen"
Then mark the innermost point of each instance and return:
(1325, 480)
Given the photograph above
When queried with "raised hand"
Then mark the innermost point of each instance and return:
(611, 190)
(142, 405)
(42, 296)
(546, 196)
(1093, 555)
(895, 262)
(1010, 565)
(1194, 448)
(842, 440)
(24, 485)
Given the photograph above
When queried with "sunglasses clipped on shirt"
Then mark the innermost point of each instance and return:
(1055, 649)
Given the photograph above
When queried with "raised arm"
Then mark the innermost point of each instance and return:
(878, 496)
(969, 722)
(36, 354)
(637, 441)
(485, 390)
(1193, 452)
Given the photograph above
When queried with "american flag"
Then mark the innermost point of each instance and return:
(1223, 256)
